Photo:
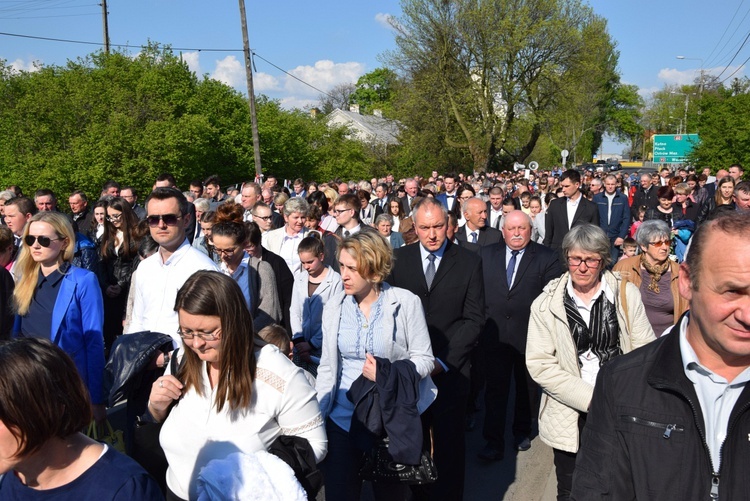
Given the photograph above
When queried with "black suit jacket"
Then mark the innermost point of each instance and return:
(453, 306)
(556, 220)
(507, 311)
(487, 236)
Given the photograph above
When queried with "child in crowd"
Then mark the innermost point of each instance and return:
(276, 335)
(629, 248)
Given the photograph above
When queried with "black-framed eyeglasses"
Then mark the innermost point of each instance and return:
(206, 336)
(226, 252)
(264, 218)
(169, 219)
(114, 217)
(340, 211)
(590, 262)
(43, 241)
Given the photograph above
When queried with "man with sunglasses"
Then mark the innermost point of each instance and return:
(159, 277)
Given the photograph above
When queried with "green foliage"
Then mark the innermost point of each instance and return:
(724, 130)
(376, 90)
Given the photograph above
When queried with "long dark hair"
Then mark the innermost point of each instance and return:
(211, 293)
(129, 231)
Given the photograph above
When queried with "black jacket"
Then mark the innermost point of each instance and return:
(643, 198)
(388, 407)
(644, 434)
(556, 219)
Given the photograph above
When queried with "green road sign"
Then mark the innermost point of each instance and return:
(673, 148)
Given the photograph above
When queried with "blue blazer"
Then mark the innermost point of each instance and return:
(619, 222)
(396, 240)
(77, 324)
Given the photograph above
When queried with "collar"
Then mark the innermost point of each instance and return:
(692, 366)
(53, 278)
(438, 253)
(603, 288)
(176, 255)
(299, 234)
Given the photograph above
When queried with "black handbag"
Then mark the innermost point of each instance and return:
(380, 467)
(147, 450)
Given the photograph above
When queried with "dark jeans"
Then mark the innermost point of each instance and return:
(565, 464)
(502, 365)
(341, 471)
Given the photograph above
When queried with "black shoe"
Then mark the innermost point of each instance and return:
(523, 444)
(490, 453)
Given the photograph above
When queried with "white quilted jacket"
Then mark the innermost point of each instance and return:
(552, 359)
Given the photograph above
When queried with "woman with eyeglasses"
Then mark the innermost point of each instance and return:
(655, 275)
(60, 302)
(229, 394)
(580, 322)
(119, 247)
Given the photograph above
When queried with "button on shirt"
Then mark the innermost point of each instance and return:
(716, 395)
(572, 206)
(38, 321)
(288, 250)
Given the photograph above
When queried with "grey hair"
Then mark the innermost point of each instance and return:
(201, 204)
(650, 231)
(384, 217)
(588, 238)
(296, 204)
(7, 195)
(465, 205)
(430, 203)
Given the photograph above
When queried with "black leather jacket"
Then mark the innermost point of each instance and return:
(645, 434)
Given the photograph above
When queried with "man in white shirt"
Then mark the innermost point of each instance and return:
(475, 230)
(450, 197)
(495, 208)
(250, 196)
(346, 210)
(160, 276)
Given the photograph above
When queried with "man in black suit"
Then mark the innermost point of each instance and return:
(448, 280)
(411, 186)
(515, 272)
(570, 210)
(382, 198)
(476, 230)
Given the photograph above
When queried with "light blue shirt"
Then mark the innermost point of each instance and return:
(242, 276)
(508, 255)
(716, 395)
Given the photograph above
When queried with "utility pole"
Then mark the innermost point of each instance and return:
(250, 90)
(105, 25)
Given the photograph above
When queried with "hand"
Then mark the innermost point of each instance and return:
(303, 349)
(164, 391)
(370, 368)
(113, 291)
(437, 368)
(618, 242)
(100, 413)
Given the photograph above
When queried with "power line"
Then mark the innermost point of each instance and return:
(733, 57)
(99, 44)
(708, 59)
(735, 71)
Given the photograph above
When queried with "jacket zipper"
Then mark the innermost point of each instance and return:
(668, 428)
(715, 475)
(715, 479)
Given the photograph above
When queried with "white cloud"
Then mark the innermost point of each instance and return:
(263, 82)
(384, 20)
(291, 102)
(671, 76)
(647, 92)
(323, 75)
(230, 71)
(21, 65)
(192, 59)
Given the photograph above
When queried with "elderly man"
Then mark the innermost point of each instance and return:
(476, 230)
(679, 408)
(251, 193)
(448, 280)
(645, 196)
(515, 272)
(79, 208)
(411, 186)
(45, 200)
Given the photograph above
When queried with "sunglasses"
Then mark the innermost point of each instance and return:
(660, 243)
(43, 241)
(169, 219)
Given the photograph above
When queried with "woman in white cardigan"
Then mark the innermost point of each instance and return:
(313, 287)
(579, 322)
(369, 319)
(229, 395)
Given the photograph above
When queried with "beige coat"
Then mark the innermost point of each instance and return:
(630, 269)
(552, 358)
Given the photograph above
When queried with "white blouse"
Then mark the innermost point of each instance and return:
(283, 403)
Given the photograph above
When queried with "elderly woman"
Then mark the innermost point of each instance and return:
(369, 319)
(284, 241)
(384, 225)
(228, 394)
(43, 455)
(655, 275)
(580, 322)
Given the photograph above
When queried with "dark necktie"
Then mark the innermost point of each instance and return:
(429, 273)
(346, 233)
(511, 267)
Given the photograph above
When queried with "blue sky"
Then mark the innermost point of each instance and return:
(335, 41)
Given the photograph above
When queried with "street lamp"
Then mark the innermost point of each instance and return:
(700, 86)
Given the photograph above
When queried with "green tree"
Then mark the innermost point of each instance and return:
(724, 129)
(376, 90)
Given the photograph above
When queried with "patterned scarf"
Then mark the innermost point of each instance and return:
(656, 271)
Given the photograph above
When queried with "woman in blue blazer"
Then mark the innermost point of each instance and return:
(60, 302)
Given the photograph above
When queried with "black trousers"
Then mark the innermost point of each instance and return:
(565, 465)
(502, 365)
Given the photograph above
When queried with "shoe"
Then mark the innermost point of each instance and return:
(490, 453)
(523, 444)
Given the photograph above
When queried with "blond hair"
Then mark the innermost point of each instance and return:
(372, 253)
(28, 269)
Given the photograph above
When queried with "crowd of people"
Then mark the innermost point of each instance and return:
(358, 316)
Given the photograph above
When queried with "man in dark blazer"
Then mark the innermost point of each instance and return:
(570, 210)
(454, 309)
(381, 201)
(509, 292)
(476, 230)
(614, 215)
